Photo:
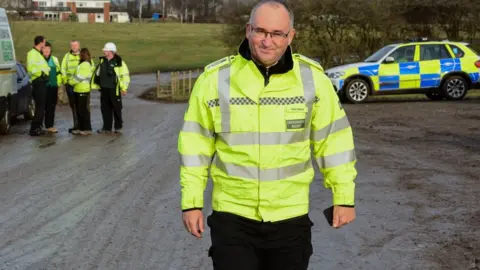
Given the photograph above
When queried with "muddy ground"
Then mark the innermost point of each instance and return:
(105, 202)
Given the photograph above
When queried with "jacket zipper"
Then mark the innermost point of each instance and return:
(266, 81)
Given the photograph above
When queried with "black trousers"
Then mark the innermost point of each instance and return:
(71, 102)
(39, 94)
(82, 106)
(111, 107)
(243, 244)
(50, 106)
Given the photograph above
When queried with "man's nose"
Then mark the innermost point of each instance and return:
(267, 40)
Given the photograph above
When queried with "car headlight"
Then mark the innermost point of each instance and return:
(336, 75)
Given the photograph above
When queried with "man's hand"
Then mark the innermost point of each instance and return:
(124, 92)
(193, 221)
(342, 215)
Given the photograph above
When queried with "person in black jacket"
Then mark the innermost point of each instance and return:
(112, 77)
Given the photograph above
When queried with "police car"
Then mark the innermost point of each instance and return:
(439, 69)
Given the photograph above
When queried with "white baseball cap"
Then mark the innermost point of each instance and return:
(110, 46)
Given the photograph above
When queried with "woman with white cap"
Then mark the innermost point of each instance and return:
(112, 78)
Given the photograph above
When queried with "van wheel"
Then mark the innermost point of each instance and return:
(434, 96)
(31, 110)
(5, 123)
(454, 88)
(357, 91)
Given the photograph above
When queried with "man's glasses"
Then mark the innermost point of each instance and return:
(275, 35)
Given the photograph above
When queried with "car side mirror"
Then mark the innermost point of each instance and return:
(389, 60)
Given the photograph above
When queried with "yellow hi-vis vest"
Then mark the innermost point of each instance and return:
(122, 75)
(70, 63)
(37, 66)
(257, 140)
(82, 77)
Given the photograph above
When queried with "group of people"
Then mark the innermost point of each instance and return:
(80, 75)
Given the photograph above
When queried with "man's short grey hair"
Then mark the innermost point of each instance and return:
(274, 3)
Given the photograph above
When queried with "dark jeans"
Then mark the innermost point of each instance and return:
(83, 111)
(111, 107)
(39, 94)
(71, 101)
(50, 106)
(240, 244)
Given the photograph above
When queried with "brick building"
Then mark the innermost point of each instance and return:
(91, 11)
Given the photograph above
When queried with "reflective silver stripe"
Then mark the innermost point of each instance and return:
(68, 56)
(338, 125)
(196, 160)
(262, 174)
(308, 92)
(224, 97)
(190, 126)
(336, 159)
(78, 78)
(267, 138)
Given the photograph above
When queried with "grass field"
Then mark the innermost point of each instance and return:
(145, 47)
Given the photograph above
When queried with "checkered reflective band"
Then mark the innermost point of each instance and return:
(282, 101)
(242, 101)
(213, 103)
(263, 101)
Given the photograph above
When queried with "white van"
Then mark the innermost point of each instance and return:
(8, 71)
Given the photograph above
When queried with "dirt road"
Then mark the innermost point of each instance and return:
(113, 202)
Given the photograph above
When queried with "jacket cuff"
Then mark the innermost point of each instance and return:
(190, 209)
(343, 199)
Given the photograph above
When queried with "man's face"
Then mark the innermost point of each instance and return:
(46, 51)
(75, 46)
(108, 54)
(268, 48)
(42, 45)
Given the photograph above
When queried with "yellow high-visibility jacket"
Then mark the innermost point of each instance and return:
(70, 63)
(81, 79)
(37, 66)
(257, 140)
(121, 72)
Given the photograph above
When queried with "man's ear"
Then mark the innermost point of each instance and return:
(291, 35)
(247, 29)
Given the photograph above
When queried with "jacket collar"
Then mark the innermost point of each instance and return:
(116, 57)
(284, 65)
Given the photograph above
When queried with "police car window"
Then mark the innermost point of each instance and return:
(433, 52)
(457, 51)
(404, 54)
(379, 54)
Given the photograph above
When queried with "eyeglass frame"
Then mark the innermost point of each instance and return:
(266, 33)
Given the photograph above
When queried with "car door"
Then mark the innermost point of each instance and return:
(435, 61)
(403, 72)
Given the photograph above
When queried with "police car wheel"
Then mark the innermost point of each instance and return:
(454, 88)
(357, 91)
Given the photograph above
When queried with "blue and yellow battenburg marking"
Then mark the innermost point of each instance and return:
(416, 74)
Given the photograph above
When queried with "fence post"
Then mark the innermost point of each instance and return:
(158, 84)
(172, 83)
(184, 84)
(189, 82)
